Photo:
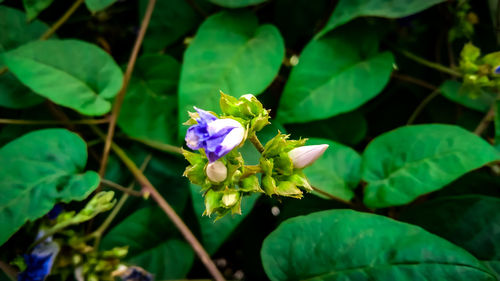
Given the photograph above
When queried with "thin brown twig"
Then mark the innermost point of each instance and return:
(197, 8)
(8, 270)
(53, 122)
(414, 80)
(485, 122)
(422, 105)
(172, 149)
(163, 204)
(126, 79)
(333, 197)
(123, 189)
(256, 142)
(61, 20)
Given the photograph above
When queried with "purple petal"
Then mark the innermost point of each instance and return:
(497, 70)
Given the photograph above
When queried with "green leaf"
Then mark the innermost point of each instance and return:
(60, 71)
(40, 169)
(168, 261)
(348, 245)
(337, 172)
(453, 91)
(230, 52)
(170, 21)
(405, 163)
(214, 233)
(335, 74)
(471, 222)
(347, 10)
(15, 32)
(149, 110)
(98, 5)
(34, 7)
(236, 3)
(150, 243)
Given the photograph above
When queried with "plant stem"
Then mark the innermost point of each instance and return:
(8, 270)
(102, 228)
(61, 20)
(163, 204)
(172, 149)
(126, 190)
(422, 105)
(416, 81)
(256, 142)
(485, 122)
(332, 197)
(126, 79)
(431, 64)
(53, 122)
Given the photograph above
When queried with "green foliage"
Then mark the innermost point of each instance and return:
(40, 169)
(152, 95)
(410, 161)
(34, 7)
(348, 245)
(236, 3)
(454, 91)
(86, 88)
(348, 10)
(335, 74)
(337, 172)
(98, 5)
(245, 59)
(15, 32)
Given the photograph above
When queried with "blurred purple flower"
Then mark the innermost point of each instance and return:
(39, 262)
(497, 70)
(56, 210)
(216, 136)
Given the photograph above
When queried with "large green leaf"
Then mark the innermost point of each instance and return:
(170, 21)
(236, 3)
(347, 10)
(99, 5)
(454, 91)
(34, 7)
(337, 172)
(214, 233)
(335, 74)
(403, 164)
(470, 221)
(230, 52)
(38, 170)
(150, 243)
(149, 110)
(71, 73)
(348, 245)
(15, 32)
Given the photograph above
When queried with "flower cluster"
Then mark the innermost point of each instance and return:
(220, 169)
(479, 71)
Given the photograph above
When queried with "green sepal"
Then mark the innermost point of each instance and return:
(283, 164)
(289, 189)
(230, 198)
(247, 110)
(250, 184)
(300, 180)
(269, 185)
(468, 58)
(213, 201)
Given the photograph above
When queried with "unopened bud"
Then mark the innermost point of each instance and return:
(216, 171)
(304, 156)
(248, 97)
(229, 199)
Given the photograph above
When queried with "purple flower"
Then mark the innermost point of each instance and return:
(39, 262)
(216, 136)
(497, 70)
(54, 213)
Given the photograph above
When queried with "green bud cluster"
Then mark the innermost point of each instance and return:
(464, 22)
(279, 177)
(479, 71)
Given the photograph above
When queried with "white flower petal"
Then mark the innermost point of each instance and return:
(306, 155)
(215, 126)
(233, 139)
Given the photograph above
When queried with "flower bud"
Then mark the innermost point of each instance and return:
(230, 198)
(216, 171)
(304, 156)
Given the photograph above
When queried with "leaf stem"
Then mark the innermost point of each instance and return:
(422, 105)
(256, 142)
(414, 80)
(485, 122)
(61, 20)
(102, 228)
(163, 204)
(172, 149)
(126, 190)
(53, 122)
(430, 64)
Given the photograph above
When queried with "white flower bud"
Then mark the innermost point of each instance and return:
(230, 199)
(306, 155)
(248, 97)
(216, 171)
